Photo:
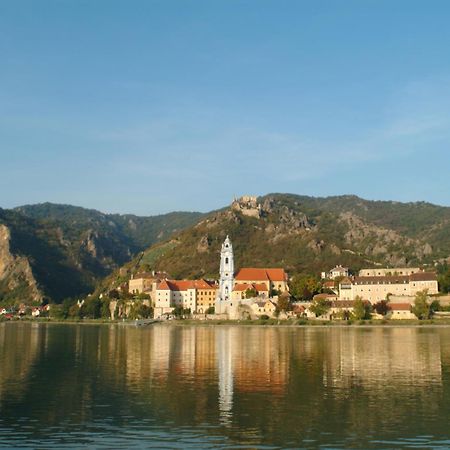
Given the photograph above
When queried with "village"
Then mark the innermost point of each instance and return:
(250, 293)
(255, 293)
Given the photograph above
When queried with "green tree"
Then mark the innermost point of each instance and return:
(75, 311)
(105, 311)
(320, 307)
(304, 287)
(444, 278)
(361, 309)
(421, 308)
(92, 308)
(211, 310)
(145, 311)
(250, 293)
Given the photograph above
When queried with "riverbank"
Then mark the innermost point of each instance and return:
(268, 323)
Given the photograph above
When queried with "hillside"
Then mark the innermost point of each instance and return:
(50, 251)
(308, 235)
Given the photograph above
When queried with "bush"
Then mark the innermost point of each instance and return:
(264, 317)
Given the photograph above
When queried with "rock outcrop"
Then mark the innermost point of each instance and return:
(16, 276)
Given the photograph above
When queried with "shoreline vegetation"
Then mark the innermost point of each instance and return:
(269, 322)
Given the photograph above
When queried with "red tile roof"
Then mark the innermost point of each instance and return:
(423, 276)
(399, 306)
(184, 285)
(255, 274)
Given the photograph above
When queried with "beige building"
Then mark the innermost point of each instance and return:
(376, 288)
(140, 285)
(273, 279)
(206, 295)
(196, 295)
(262, 307)
(400, 311)
(240, 290)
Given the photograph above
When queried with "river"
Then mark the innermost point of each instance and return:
(165, 386)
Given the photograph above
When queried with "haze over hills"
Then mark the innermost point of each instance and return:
(51, 252)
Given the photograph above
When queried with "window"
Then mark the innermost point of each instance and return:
(226, 260)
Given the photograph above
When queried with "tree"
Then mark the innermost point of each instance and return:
(320, 307)
(180, 312)
(444, 279)
(210, 310)
(145, 311)
(75, 311)
(361, 309)
(304, 287)
(105, 311)
(381, 307)
(250, 293)
(283, 304)
(421, 308)
(92, 307)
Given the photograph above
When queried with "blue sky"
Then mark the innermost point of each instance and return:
(152, 106)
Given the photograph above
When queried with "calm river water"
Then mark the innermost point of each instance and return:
(67, 386)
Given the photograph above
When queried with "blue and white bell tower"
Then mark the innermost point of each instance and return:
(226, 282)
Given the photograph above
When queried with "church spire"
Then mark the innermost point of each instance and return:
(226, 271)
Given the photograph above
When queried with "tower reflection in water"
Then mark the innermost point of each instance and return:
(261, 379)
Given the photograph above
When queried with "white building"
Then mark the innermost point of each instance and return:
(376, 288)
(336, 272)
(173, 293)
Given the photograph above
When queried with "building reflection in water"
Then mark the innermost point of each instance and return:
(206, 373)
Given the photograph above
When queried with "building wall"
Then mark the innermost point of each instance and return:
(139, 285)
(281, 286)
(376, 292)
(205, 299)
(381, 272)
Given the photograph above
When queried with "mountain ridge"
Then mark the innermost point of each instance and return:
(72, 251)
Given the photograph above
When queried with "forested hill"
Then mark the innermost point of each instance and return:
(51, 251)
(308, 235)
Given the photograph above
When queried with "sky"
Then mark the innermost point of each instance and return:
(147, 107)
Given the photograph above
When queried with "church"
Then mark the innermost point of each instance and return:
(233, 287)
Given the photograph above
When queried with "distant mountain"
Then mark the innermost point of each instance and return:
(307, 235)
(56, 251)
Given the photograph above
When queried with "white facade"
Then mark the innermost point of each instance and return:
(376, 288)
(226, 282)
(336, 272)
(173, 293)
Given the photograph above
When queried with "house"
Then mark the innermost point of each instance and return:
(336, 272)
(275, 279)
(400, 311)
(262, 307)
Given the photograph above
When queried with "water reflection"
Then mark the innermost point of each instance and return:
(218, 386)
